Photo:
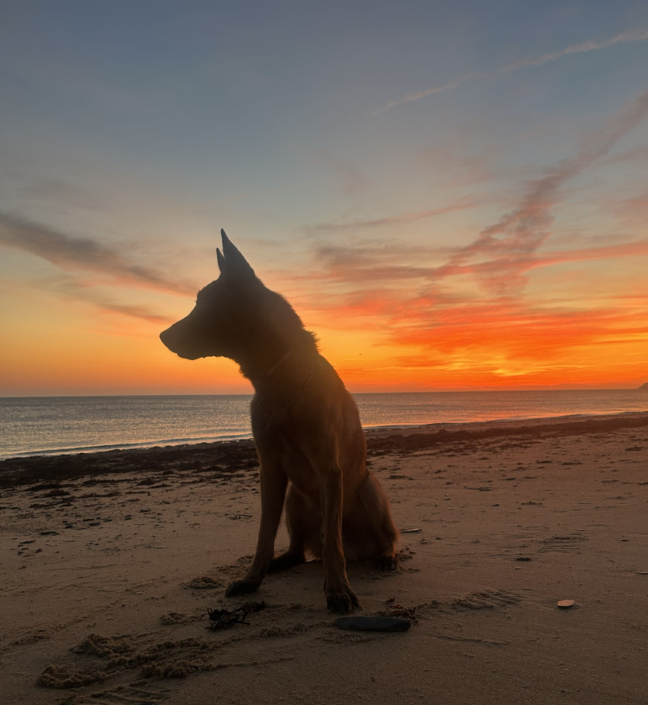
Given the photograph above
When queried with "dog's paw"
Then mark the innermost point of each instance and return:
(343, 600)
(385, 563)
(242, 587)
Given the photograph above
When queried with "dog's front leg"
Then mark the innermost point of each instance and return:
(339, 595)
(273, 493)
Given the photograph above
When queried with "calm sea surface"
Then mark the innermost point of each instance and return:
(50, 425)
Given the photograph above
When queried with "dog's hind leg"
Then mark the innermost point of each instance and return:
(378, 513)
(304, 526)
(273, 492)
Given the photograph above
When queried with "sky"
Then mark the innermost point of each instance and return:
(452, 196)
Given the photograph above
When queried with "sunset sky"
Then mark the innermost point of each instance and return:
(451, 195)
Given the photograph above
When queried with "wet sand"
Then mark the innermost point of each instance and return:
(110, 561)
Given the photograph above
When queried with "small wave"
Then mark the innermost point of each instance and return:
(230, 436)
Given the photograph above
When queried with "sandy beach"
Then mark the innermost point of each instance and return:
(110, 562)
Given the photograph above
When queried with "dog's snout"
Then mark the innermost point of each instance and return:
(171, 339)
(164, 335)
(179, 340)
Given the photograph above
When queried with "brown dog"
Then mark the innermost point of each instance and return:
(306, 429)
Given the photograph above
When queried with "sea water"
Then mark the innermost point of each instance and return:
(52, 425)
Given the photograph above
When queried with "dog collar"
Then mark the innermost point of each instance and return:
(277, 365)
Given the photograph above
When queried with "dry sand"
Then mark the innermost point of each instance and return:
(110, 561)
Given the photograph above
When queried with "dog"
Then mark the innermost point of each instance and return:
(306, 428)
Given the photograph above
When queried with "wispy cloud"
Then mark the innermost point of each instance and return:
(140, 312)
(71, 253)
(361, 264)
(502, 250)
(502, 253)
(633, 211)
(417, 95)
(638, 154)
(638, 35)
(351, 179)
(60, 191)
(633, 35)
(401, 219)
(76, 288)
(451, 167)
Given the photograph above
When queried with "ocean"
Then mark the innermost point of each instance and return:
(55, 425)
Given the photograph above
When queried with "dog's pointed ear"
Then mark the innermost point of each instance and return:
(232, 262)
(221, 261)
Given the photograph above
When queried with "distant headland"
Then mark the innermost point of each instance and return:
(644, 387)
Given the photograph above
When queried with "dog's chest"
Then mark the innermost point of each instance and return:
(295, 464)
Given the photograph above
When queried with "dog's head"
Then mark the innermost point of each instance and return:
(227, 312)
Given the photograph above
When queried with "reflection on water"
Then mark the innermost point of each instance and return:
(68, 424)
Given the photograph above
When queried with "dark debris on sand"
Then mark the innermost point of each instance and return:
(228, 457)
(221, 458)
(409, 442)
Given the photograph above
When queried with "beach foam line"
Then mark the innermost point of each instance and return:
(501, 420)
(215, 438)
(125, 446)
(420, 435)
(425, 436)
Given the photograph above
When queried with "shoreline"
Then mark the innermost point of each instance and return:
(24, 469)
(36, 428)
